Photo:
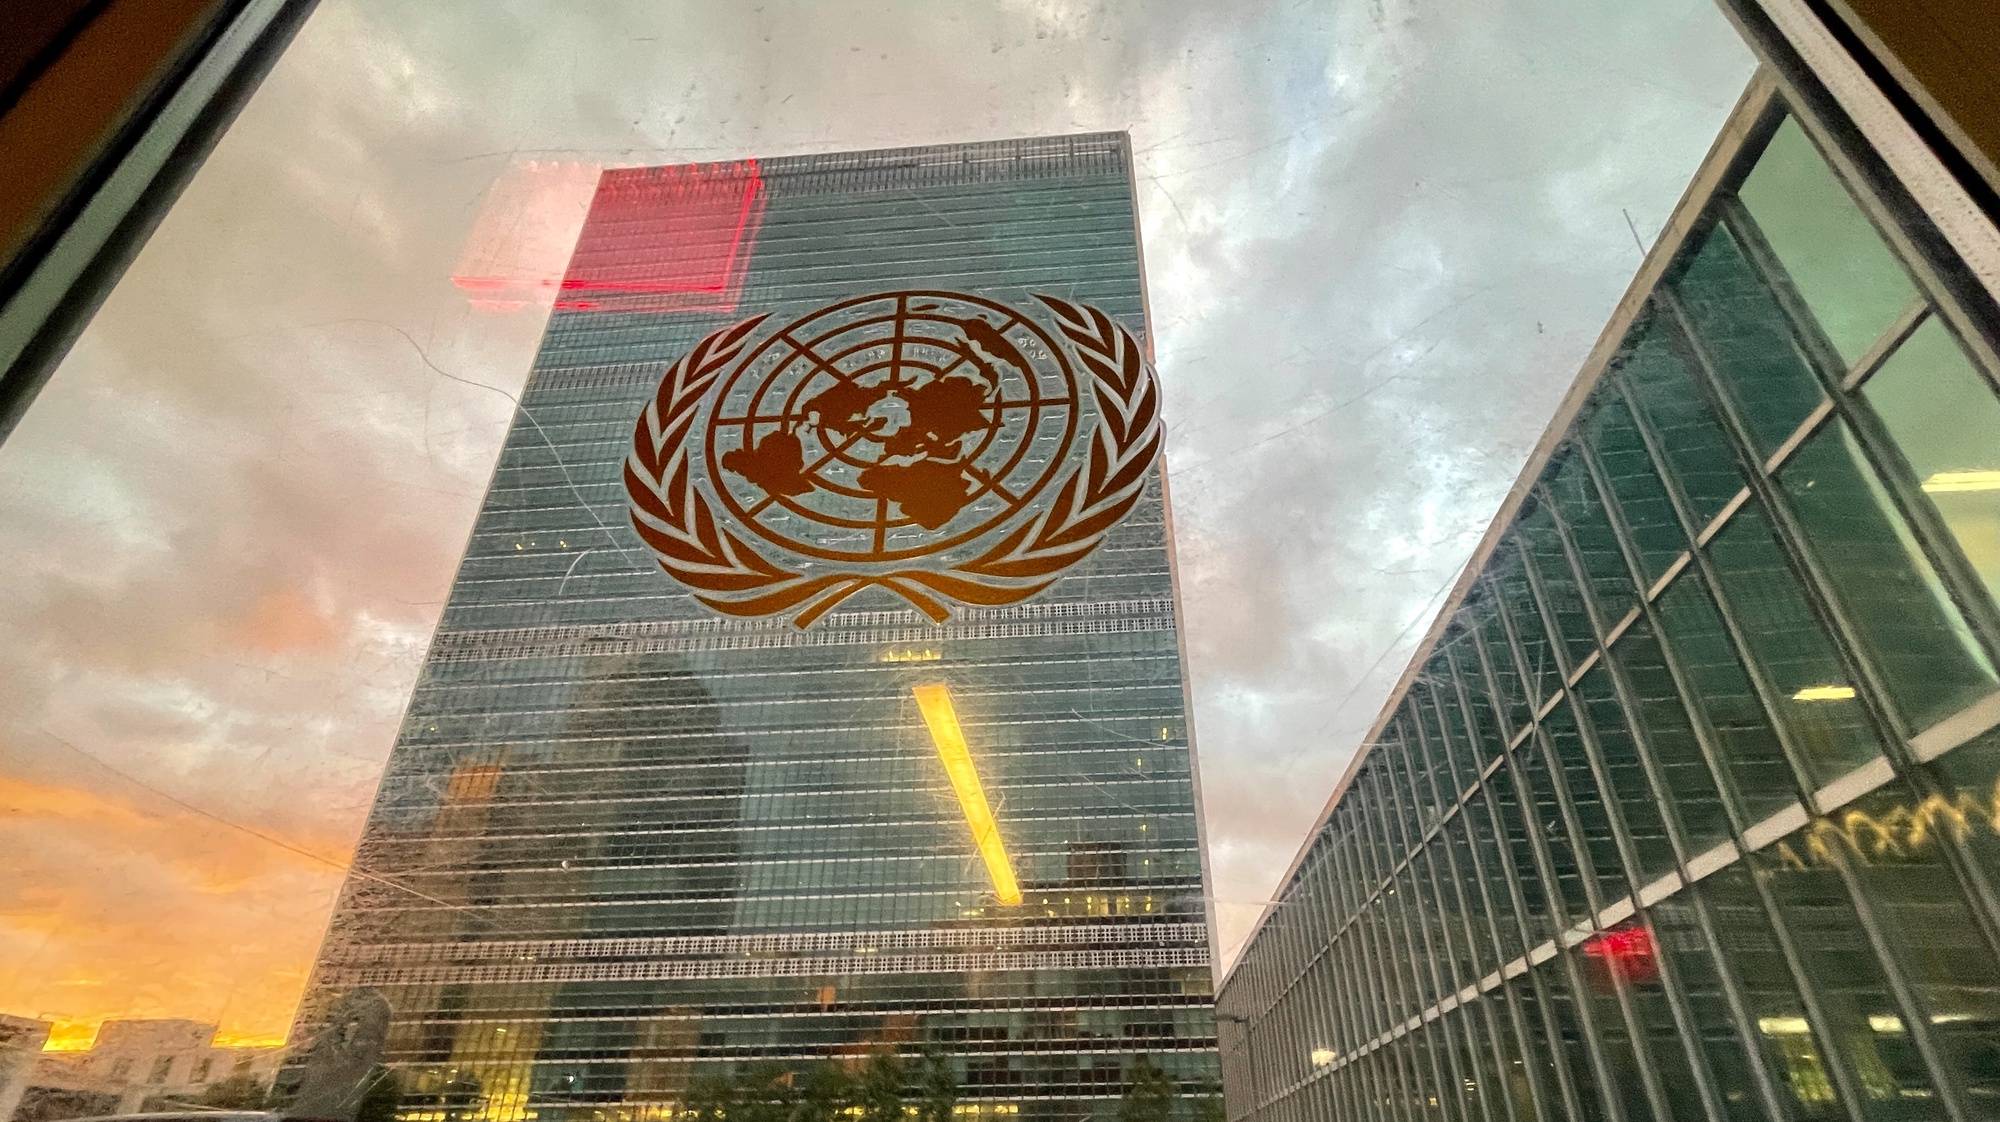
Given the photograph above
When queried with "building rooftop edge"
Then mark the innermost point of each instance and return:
(1110, 143)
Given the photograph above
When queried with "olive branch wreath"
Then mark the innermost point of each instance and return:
(728, 575)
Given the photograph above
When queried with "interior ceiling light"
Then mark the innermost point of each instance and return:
(934, 700)
(1824, 693)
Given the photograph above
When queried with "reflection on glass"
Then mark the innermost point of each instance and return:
(1748, 340)
(1754, 960)
(1682, 948)
(1506, 680)
(1722, 694)
(1894, 840)
(1589, 525)
(941, 718)
(1696, 452)
(1635, 487)
(1835, 259)
(1915, 635)
(1571, 767)
(1533, 816)
(1640, 805)
(1559, 588)
(1789, 646)
(1946, 419)
(1515, 601)
(1921, 916)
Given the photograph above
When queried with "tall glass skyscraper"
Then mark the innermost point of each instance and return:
(624, 841)
(1689, 808)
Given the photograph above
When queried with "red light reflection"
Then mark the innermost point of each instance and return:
(1626, 952)
(668, 239)
(673, 239)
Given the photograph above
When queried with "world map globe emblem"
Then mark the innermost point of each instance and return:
(891, 426)
(942, 447)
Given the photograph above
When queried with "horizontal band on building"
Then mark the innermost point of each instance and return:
(767, 967)
(768, 942)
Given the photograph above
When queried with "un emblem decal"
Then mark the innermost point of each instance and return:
(940, 445)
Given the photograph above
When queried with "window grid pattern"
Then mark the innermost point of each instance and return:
(622, 843)
(1691, 810)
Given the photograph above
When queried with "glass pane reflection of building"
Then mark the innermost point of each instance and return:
(1691, 809)
(624, 843)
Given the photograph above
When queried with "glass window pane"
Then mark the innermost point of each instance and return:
(1698, 454)
(1720, 691)
(1946, 419)
(1589, 527)
(1492, 638)
(1836, 260)
(1606, 966)
(1803, 870)
(1599, 847)
(1455, 776)
(1559, 587)
(1680, 944)
(1517, 601)
(1481, 918)
(1480, 818)
(1635, 486)
(1756, 962)
(1748, 339)
(1486, 737)
(1818, 702)
(1546, 997)
(1630, 786)
(1916, 635)
(1894, 839)
(1539, 816)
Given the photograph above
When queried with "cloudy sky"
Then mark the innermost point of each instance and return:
(1381, 236)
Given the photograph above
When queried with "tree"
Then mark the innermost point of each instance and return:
(879, 1089)
(764, 1093)
(937, 1086)
(238, 1092)
(823, 1093)
(1149, 1093)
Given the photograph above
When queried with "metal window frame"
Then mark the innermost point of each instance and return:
(62, 277)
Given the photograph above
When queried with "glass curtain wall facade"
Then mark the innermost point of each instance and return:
(1690, 809)
(622, 842)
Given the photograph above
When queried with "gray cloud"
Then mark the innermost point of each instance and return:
(1380, 237)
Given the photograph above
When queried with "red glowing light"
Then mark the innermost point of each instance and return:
(673, 239)
(1627, 952)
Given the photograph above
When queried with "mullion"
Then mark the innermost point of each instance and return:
(1641, 1040)
(1377, 937)
(1743, 1023)
(1760, 682)
(1488, 916)
(1566, 1085)
(1414, 914)
(1389, 964)
(1878, 448)
(1876, 702)
(1403, 813)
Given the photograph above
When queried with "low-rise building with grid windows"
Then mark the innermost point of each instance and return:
(1689, 806)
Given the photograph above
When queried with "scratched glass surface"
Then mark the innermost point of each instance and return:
(1378, 241)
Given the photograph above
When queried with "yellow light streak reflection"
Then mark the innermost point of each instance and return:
(934, 700)
(1824, 693)
(1944, 482)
